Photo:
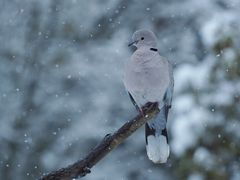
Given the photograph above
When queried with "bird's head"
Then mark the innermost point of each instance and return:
(143, 38)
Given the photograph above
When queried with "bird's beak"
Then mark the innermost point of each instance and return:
(131, 43)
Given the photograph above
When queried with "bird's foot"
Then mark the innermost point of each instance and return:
(149, 105)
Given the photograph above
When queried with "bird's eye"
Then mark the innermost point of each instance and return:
(142, 38)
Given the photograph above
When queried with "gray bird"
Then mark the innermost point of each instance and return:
(148, 77)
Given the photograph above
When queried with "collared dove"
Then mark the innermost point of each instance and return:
(148, 77)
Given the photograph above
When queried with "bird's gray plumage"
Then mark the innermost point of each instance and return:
(149, 78)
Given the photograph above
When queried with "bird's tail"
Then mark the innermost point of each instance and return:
(157, 138)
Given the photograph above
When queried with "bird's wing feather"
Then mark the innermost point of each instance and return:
(169, 93)
(134, 102)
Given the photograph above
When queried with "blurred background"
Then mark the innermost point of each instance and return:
(61, 92)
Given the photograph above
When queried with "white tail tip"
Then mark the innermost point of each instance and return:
(157, 149)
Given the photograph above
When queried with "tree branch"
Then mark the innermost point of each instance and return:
(82, 167)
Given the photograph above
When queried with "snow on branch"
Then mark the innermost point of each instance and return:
(109, 142)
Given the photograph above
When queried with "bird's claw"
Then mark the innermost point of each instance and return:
(149, 105)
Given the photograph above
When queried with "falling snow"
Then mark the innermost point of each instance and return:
(61, 86)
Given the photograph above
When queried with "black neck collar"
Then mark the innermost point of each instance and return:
(153, 49)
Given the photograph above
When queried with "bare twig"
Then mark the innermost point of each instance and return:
(82, 167)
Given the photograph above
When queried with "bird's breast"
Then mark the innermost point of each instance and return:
(146, 76)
